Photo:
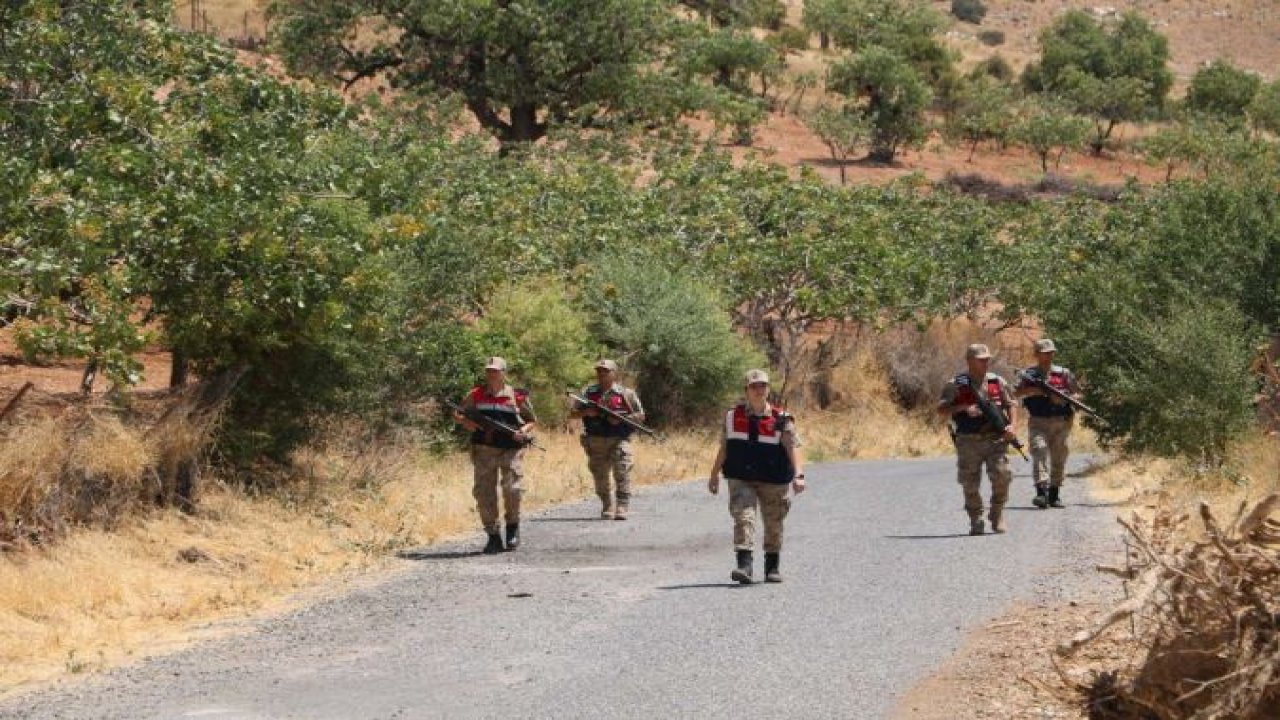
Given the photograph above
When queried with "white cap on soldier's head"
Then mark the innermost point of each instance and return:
(605, 364)
(1045, 345)
(757, 376)
(495, 363)
(977, 351)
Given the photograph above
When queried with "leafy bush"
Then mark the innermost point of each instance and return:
(970, 11)
(1222, 90)
(551, 348)
(671, 328)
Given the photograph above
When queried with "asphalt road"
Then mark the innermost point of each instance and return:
(638, 619)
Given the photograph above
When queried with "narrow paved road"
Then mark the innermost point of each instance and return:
(599, 619)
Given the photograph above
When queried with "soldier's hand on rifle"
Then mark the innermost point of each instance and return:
(713, 484)
(1009, 435)
(589, 412)
(973, 411)
(467, 424)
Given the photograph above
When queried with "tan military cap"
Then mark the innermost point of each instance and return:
(1045, 345)
(757, 376)
(977, 351)
(495, 363)
(606, 365)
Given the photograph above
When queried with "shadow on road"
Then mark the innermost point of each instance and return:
(699, 586)
(438, 555)
(589, 518)
(926, 537)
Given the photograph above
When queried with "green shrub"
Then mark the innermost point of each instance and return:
(551, 348)
(970, 11)
(670, 327)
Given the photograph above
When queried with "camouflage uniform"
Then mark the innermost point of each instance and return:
(1049, 424)
(978, 444)
(498, 461)
(608, 446)
(771, 496)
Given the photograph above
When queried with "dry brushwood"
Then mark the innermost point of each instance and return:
(1208, 612)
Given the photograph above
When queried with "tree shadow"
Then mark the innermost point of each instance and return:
(862, 162)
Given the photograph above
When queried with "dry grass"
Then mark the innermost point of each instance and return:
(99, 598)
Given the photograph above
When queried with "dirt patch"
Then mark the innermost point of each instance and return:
(1007, 669)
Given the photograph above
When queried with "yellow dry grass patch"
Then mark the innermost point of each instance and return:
(101, 598)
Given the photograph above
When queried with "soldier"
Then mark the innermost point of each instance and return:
(978, 442)
(1049, 424)
(495, 452)
(607, 440)
(760, 455)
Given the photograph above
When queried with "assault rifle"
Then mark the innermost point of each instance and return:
(1044, 385)
(585, 402)
(481, 419)
(997, 419)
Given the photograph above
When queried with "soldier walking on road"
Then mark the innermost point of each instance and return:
(978, 441)
(498, 456)
(1050, 422)
(607, 440)
(760, 456)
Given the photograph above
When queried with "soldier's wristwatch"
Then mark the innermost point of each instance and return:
(800, 476)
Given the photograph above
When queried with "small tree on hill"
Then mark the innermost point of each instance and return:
(889, 94)
(843, 132)
(1223, 90)
(981, 113)
(1113, 75)
(1046, 126)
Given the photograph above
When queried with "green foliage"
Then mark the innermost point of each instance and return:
(1222, 90)
(970, 11)
(732, 58)
(1265, 110)
(671, 328)
(995, 67)
(981, 113)
(520, 68)
(1046, 126)
(1160, 296)
(889, 93)
(1112, 74)
(550, 346)
(843, 132)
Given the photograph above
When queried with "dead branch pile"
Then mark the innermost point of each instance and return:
(1206, 614)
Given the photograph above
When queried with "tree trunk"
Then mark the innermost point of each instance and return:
(90, 374)
(177, 368)
(824, 41)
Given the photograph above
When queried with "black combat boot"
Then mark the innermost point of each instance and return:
(494, 545)
(1054, 500)
(1042, 496)
(513, 536)
(742, 573)
(771, 561)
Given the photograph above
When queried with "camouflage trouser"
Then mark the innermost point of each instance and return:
(605, 454)
(972, 451)
(1049, 448)
(774, 503)
(490, 463)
